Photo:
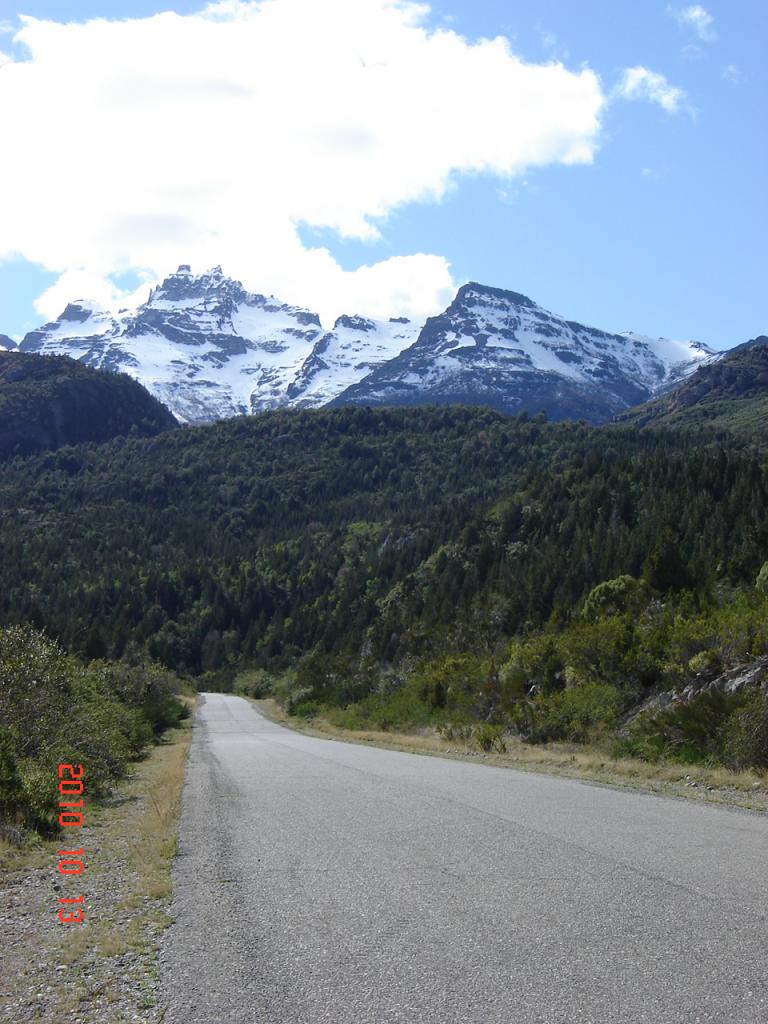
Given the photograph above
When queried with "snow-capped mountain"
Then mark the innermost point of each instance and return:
(499, 348)
(209, 349)
(202, 344)
(6, 344)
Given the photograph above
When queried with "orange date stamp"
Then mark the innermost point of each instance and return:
(71, 815)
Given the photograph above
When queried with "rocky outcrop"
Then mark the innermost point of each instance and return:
(754, 674)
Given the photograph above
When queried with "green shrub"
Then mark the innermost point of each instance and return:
(705, 662)
(56, 709)
(457, 684)
(399, 711)
(40, 795)
(762, 580)
(11, 789)
(587, 712)
(296, 697)
(490, 737)
(688, 731)
(331, 679)
(306, 709)
(613, 597)
(745, 735)
(255, 683)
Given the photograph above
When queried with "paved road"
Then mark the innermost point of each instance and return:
(325, 882)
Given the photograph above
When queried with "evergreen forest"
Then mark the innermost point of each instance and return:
(440, 567)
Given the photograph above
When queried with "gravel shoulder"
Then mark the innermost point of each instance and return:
(104, 971)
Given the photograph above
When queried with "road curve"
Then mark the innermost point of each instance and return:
(320, 882)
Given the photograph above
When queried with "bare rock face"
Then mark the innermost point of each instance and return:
(752, 675)
(209, 349)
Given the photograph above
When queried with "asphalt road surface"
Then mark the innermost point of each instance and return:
(320, 882)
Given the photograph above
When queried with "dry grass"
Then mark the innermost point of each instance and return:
(153, 844)
(35, 853)
(718, 785)
(105, 970)
(76, 945)
(137, 840)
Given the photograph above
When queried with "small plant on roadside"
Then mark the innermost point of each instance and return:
(490, 738)
(745, 735)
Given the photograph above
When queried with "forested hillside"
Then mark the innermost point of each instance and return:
(357, 550)
(51, 401)
(730, 394)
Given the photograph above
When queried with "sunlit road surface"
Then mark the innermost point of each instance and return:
(320, 881)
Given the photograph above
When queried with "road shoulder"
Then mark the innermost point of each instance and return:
(104, 971)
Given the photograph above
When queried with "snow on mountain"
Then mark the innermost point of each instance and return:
(346, 354)
(501, 348)
(209, 349)
(202, 344)
(679, 358)
(6, 344)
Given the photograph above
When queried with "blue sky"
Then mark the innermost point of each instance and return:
(660, 230)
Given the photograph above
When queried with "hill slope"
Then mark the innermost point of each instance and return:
(373, 532)
(49, 402)
(730, 394)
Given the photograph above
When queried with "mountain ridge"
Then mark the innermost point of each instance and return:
(209, 349)
(731, 393)
(502, 347)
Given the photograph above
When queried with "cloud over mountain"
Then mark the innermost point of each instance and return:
(215, 137)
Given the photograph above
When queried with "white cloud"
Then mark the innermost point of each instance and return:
(210, 138)
(692, 52)
(697, 18)
(556, 50)
(733, 73)
(639, 83)
(92, 287)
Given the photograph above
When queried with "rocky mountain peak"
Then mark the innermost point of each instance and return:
(497, 347)
(184, 286)
(208, 348)
(76, 312)
(355, 323)
(473, 293)
(761, 341)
